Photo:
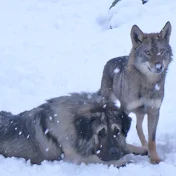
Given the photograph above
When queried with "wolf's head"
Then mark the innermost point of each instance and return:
(151, 53)
(102, 132)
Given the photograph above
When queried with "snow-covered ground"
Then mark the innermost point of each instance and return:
(52, 47)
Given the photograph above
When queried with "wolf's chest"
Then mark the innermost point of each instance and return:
(144, 102)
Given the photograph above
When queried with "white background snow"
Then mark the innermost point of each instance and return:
(49, 48)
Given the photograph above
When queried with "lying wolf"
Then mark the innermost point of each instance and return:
(137, 80)
(75, 128)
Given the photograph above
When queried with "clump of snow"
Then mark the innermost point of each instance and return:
(46, 131)
(89, 96)
(98, 151)
(62, 156)
(157, 87)
(104, 106)
(117, 103)
(47, 149)
(50, 118)
(116, 70)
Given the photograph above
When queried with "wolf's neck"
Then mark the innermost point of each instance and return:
(141, 78)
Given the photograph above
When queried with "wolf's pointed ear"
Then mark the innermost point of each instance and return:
(166, 31)
(136, 35)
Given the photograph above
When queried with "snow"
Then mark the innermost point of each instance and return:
(49, 48)
(98, 151)
(157, 87)
(117, 103)
(116, 70)
(46, 131)
(104, 106)
(47, 149)
(158, 54)
(50, 118)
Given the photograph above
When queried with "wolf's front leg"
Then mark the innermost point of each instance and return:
(140, 118)
(137, 150)
(153, 117)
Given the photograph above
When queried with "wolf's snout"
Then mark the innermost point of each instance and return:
(158, 66)
(114, 151)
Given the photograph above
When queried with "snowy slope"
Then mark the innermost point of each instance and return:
(51, 47)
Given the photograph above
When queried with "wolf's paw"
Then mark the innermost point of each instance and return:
(156, 160)
(145, 151)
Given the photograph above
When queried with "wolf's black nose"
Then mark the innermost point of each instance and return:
(158, 66)
(114, 151)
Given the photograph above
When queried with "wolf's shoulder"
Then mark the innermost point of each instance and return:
(118, 61)
(115, 65)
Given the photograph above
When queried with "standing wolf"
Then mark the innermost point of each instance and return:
(75, 128)
(138, 80)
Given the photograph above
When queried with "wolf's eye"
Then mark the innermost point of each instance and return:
(102, 133)
(147, 53)
(116, 131)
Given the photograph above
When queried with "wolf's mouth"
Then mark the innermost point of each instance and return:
(155, 72)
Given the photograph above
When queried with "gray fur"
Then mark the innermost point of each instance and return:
(68, 128)
(138, 80)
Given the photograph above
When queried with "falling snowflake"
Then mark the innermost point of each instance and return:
(117, 103)
(104, 106)
(98, 151)
(50, 118)
(62, 155)
(46, 131)
(116, 70)
(157, 87)
(89, 96)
